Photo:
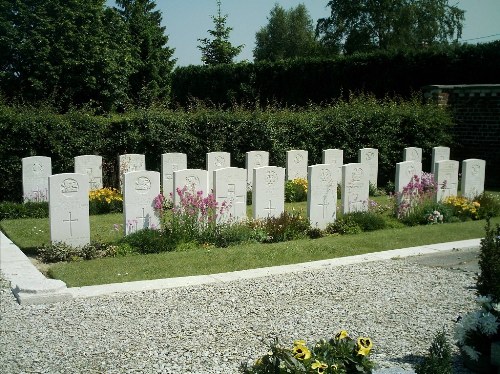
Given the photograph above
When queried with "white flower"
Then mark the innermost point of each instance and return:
(471, 352)
(488, 324)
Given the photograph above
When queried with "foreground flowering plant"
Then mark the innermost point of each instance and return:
(340, 354)
(463, 208)
(476, 330)
(418, 190)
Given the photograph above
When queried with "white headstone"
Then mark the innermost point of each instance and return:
(230, 189)
(322, 195)
(473, 175)
(439, 154)
(334, 157)
(355, 188)
(405, 171)
(216, 160)
(171, 162)
(446, 176)
(296, 164)
(92, 166)
(255, 159)
(193, 179)
(36, 171)
(69, 209)
(412, 154)
(140, 189)
(268, 192)
(369, 157)
(130, 162)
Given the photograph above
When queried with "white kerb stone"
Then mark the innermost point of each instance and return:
(255, 159)
(268, 192)
(140, 189)
(473, 176)
(92, 166)
(69, 209)
(355, 188)
(36, 171)
(322, 195)
(171, 162)
(230, 189)
(296, 164)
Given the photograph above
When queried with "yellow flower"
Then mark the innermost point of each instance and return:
(299, 342)
(342, 334)
(321, 366)
(301, 352)
(364, 346)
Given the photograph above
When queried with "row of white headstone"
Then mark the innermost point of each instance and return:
(37, 169)
(69, 192)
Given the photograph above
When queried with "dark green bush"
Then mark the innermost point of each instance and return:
(343, 225)
(59, 251)
(368, 221)
(488, 280)
(438, 360)
(288, 226)
(11, 210)
(150, 241)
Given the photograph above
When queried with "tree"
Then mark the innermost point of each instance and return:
(365, 25)
(63, 53)
(288, 34)
(152, 58)
(218, 50)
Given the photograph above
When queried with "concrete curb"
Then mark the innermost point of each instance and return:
(32, 287)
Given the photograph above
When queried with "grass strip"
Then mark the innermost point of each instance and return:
(250, 256)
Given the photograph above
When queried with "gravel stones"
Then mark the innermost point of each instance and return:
(213, 328)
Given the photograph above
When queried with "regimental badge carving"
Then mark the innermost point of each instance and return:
(271, 178)
(414, 155)
(326, 175)
(298, 159)
(142, 185)
(357, 174)
(411, 171)
(370, 155)
(69, 186)
(258, 160)
(193, 182)
(220, 162)
(475, 169)
(37, 168)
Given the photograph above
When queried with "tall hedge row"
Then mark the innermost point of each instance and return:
(361, 122)
(301, 81)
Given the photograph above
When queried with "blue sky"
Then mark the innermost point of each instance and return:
(186, 21)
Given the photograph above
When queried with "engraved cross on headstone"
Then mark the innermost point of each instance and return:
(144, 218)
(70, 221)
(232, 198)
(270, 208)
(324, 205)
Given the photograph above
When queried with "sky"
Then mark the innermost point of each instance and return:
(186, 21)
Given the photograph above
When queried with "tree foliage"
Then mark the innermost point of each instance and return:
(366, 25)
(288, 34)
(152, 58)
(218, 50)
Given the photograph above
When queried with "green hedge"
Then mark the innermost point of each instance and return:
(303, 81)
(362, 122)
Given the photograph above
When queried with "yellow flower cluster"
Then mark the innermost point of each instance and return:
(301, 182)
(107, 195)
(463, 206)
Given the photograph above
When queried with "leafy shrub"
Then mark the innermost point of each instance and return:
(30, 209)
(368, 221)
(288, 226)
(340, 354)
(438, 360)
(489, 205)
(314, 233)
(235, 233)
(105, 200)
(343, 225)
(488, 280)
(59, 251)
(149, 241)
(296, 190)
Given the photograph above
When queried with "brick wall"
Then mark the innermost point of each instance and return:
(476, 113)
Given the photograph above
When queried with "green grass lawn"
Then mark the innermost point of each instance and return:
(30, 233)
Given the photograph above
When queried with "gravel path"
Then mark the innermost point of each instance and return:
(213, 328)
